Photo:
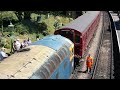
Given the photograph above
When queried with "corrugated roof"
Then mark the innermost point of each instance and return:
(82, 22)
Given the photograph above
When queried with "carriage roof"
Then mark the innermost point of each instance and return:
(81, 23)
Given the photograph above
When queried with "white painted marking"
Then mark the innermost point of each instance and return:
(116, 32)
(72, 63)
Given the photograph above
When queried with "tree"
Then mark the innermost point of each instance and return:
(27, 15)
(19, 15)
(1, 20)
(73, 14)
(23, 15)
(42, 27)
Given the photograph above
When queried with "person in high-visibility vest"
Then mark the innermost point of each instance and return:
(89, 63)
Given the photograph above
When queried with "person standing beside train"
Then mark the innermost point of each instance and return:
(89, 63)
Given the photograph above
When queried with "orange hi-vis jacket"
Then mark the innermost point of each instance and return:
(89, 62)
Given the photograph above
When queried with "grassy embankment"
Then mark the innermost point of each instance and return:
(29, 27)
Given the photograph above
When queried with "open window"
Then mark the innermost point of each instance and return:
(77, 38)
(67, 34)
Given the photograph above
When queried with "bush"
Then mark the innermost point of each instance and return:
(42, 26)
(21, 29)
(7, 46)
(2, 42)
(5, 42)
(39, 36)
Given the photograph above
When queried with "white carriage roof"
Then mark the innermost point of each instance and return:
(82, 22)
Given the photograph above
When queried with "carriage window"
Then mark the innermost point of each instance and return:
(67, 34)
(77, 39)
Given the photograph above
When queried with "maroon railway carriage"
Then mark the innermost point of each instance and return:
(81, 30)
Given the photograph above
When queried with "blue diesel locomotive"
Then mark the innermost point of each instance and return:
(49, 58)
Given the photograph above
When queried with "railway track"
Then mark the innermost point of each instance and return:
(103, 62)
(102, 68)
(77, 69)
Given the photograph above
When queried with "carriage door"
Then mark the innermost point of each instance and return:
(77, 44)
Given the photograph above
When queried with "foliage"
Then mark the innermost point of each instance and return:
(5, 42)
(7, 45)
(31, 28)
(42, 26)
(8, 14)
(19, 15)
(21, 29)
(23, 15)
(2, 42)
(27, 15)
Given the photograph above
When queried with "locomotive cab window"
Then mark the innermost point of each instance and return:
(77, 39)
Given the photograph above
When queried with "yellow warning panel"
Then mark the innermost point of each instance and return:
(71, 52)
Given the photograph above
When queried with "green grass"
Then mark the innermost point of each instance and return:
(19, 27)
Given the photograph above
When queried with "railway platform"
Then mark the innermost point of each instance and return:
(116, 43)
(80, 70)
(116, 21)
